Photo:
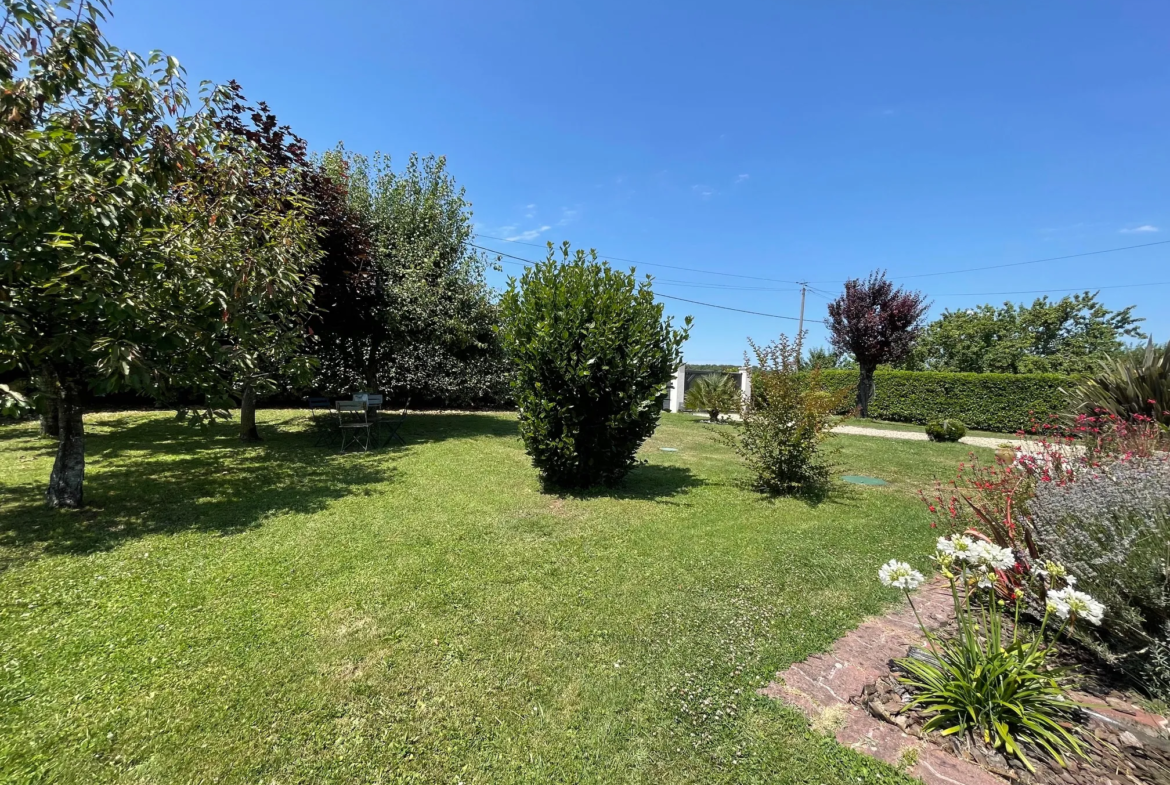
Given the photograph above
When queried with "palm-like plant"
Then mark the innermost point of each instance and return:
(713, 394)
(1126, 387)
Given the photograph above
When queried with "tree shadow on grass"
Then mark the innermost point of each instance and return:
(136, 489)
(646, 482)
(156, 475)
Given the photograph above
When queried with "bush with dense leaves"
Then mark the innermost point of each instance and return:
(945, 430)
(591, 357)
(785, 422)
(1001, 402)
(1111, 528)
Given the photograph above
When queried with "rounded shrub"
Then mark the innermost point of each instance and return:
(591, 356)
(945, 430)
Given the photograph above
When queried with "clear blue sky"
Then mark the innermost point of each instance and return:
(792, 141)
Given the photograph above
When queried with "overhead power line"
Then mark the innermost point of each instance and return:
(647, 264)
(829, 296)
(896, 277)
(727, 308)
(1021, 264)
(1057, 291)
(659, 294)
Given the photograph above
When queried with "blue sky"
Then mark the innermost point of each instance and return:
(785, 141)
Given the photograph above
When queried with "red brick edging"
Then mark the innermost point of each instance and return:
(822, 685)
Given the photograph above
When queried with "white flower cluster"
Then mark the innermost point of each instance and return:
(900, 575)
(1070, 602)
(977, 553)
(983, 556)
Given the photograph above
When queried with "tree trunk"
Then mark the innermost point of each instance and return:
(864, 389)
(50, 412)
(68, 476)
(248, 432)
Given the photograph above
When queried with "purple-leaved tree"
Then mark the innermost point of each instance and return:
(876, 322)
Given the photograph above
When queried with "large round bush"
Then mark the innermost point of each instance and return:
(591, 355)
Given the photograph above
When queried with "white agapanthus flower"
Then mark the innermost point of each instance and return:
(900, 575)
(991, 556)
(1070, 602)
(958, 546)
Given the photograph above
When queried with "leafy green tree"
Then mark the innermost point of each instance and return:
(828, 359)
(1064, 336)
(715, 394)
(91, 141)
(436, 337)
(261, 194)
(591, 356)
(105, 280)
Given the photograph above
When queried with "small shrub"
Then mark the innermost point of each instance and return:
(1111, 529)
(785, 422)
(591, 355)
(945, 430)
(715, 395)
(976, 680)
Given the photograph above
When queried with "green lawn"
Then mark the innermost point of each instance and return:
(279, 613)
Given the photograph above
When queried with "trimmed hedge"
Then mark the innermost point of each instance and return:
(1002, 402)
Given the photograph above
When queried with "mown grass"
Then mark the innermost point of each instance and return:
(282, 613)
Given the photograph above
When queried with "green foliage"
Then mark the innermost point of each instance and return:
(946, 430)
(974, 680)
(1005, 403)
(1067, 336)
(785, 423)
(103, 274)
(827, 359)
(1007, 694)
(1127, 386)
(714, 394)
(434, 336)
(14, 404)
(591, 356)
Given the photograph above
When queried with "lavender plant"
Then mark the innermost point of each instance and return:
(1111, 529)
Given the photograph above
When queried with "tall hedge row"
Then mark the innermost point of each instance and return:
(1000, 402)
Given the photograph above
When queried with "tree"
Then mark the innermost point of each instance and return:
(591, 356)
(260, 188)
(103, 279)
(714, 394)
(827, 359)
(91, 141)
(435, 337)
(877, 323)
(1067, 336)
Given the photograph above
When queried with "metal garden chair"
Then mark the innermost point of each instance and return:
(391, 425)
(321, 411)
(354, 421)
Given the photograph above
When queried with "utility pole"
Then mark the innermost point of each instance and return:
(800, 327)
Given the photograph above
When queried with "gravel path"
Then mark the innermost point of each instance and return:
(917, 436)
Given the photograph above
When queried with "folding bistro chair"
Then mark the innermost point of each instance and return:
(391, 425)
(354, 421)
(321, 410)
